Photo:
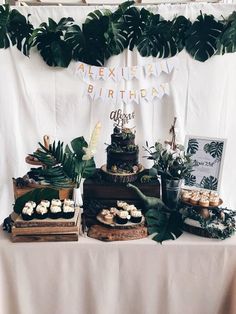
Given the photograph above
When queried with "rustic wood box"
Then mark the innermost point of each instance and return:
(97, 192)
(19, 191)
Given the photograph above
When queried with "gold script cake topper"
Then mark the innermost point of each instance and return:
(121, 118)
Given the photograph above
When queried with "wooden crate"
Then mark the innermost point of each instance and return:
(19, 191)
(46, 229)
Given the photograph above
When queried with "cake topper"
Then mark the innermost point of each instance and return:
(121, 118)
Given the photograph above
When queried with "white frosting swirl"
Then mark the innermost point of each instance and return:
(45, 203)
(40, 209)
(55, 209)
(27, 210)
(69, 202)
(30, 204)
(136, 213)
(55, 202)
(68, 209)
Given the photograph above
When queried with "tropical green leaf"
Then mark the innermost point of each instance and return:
(192, 146)
(35, 195)
(209, 183)
(202, 36)
(133, 23)
(167, 225)
(49, 39)
(14, 27)
(179, 27)
(215, 149)
(226, 42)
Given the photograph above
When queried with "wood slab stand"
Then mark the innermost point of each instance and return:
(123, 233)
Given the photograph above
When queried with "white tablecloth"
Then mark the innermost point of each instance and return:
(191, 275)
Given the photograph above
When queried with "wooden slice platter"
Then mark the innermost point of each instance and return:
(120, 177)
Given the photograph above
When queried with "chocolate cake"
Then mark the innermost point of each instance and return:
(122, 154)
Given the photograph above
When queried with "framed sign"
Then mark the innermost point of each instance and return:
(207, 156)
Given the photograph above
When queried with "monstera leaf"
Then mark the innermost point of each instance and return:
(36, 195)
(167, 225)
(214, 148)
(83, 168)
(227, 40)
(192, 146)
(133, 23)
(209, 183)
(157, 39)
(180, 25)
(202, 37)
(15, 28)
(50, 42)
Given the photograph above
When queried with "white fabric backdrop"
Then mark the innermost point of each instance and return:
(36, 99)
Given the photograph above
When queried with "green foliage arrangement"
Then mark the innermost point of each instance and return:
(170, 163)
(105, 34)
(63, 167)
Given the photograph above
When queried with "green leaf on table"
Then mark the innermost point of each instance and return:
(167, 225)
(36, 195)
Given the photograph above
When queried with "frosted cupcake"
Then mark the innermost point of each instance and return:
(109, 218)
(45, 203)
(41, 212)
(204, 202)
(136, 216)
(55, 202)
(27, 213)
(186, 196)
(194, 199)
(30, 204)
(214, 201)
(122, 217)
(69, 202)
(68, 211)
(55, 212)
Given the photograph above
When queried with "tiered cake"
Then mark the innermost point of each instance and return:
(122, 157)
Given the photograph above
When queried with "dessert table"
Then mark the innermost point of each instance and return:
(190, 275)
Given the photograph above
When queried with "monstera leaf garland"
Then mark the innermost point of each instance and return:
(202, 36)
(14, 28)
(105, 33)
(49, 39)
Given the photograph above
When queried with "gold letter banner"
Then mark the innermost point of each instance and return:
(127, 96)
(88, 72)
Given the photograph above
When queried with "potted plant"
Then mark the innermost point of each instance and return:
(173, 165)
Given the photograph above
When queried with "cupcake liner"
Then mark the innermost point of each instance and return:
(135, 219)
(121, 221)
(27, 217)
(68, 215)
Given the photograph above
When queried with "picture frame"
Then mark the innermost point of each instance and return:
(207, 155)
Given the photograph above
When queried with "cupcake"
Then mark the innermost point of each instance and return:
(136, 216)
(122, 217)
(104, 212)
(45, 203)
(69, 202)
(109, 218)
(68, 211)
(27, 213)
(121, 204)
(204, 202)
(55, 202)
(130, 208)
(114, 210)
(194, 199)
(214, 201)
(186, 196)
(30, 204)
(55, 212)
(41, 212)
